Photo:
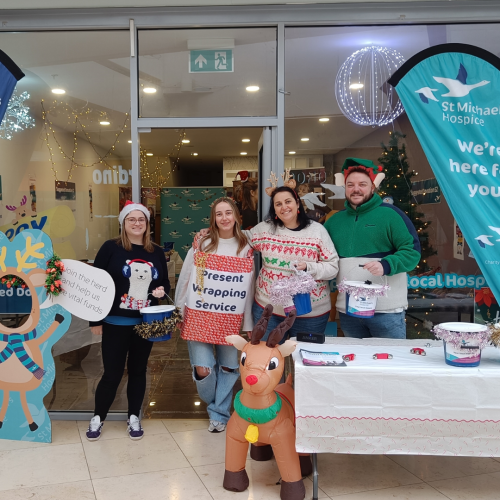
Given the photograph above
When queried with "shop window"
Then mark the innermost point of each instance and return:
(447, 279)
(207, 72)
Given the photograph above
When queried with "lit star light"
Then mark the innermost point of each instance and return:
(361, 87)
(17, 117)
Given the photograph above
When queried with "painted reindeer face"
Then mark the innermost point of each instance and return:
(262, 363)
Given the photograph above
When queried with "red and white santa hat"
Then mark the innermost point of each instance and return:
(130, 206)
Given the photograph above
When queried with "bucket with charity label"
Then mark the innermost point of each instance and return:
(157, 313)
(361, 300)
(462, 342)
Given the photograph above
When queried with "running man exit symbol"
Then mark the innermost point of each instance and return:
(211, 61)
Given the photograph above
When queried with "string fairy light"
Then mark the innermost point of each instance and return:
(153, 178)
(361, 87)
(75, 119)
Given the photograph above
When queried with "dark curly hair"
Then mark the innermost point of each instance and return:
(302, 218)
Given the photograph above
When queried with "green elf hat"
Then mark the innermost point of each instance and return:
(372, 170)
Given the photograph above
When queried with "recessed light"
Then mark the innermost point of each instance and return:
(356, 86)
(105, 122)
(130, 142)
(194, 154)
(252, 88)
(149, 154)
(304, 139)
(58, 91)
(243, 153)
(149, 90)
(324, 119)
(185, 141)
(152, 403)
(291, 152)
(197, 403)
(245, 140)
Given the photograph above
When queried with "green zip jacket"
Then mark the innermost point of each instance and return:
(378, 231)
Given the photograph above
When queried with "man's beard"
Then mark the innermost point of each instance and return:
(368, 197)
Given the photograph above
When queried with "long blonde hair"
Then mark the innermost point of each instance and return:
(213, 230)
(125, 242)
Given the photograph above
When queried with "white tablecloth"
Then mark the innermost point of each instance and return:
(406, 405)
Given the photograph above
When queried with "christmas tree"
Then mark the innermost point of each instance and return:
(397, 185)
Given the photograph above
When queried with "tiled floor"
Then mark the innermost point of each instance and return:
(180, 460)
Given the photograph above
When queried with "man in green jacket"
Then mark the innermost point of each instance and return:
(375, 241)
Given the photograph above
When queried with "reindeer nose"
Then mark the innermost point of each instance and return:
(252, 379)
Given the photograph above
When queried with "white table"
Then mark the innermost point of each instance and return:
(406, 405)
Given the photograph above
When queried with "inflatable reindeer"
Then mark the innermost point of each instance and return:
(21, 357)
(21, 211)
(264, 411)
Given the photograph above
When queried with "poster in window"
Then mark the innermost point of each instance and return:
(65, 191)
(124, 195)
(458, 242)
(91, 207)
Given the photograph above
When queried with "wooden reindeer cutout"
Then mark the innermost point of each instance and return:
(264, 411)
(26, 363)
(21, 211)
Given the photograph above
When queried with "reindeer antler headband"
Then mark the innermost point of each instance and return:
(288, 181)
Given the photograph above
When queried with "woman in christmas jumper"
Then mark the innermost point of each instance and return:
(139, 270)
(289, 240)
(204, 330)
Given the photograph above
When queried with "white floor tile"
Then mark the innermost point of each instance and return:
(178, 425)
(479, 487)
(81, 490)
(119, 457)
(178, 484)
(202, 447)
(63, 432)
(345, 474)
(263, 477)
(42, 465)
(431, 468)
(117, 429)
(420, 491)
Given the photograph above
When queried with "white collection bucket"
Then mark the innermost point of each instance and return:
(361, 307)
(467, 355)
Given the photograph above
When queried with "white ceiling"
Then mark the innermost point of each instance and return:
(94, 69)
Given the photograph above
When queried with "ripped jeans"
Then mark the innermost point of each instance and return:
(216, 389)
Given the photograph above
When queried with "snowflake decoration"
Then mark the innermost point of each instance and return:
(17, 117)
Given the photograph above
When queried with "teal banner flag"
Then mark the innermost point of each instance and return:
(451, 94)
(10, 74)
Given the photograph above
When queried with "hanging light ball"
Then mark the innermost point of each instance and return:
(361, 87)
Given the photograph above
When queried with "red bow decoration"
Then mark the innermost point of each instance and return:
(484, 296)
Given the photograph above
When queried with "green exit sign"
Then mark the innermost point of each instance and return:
(211, 61)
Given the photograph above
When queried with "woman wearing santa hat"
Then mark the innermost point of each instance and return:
(139, 270)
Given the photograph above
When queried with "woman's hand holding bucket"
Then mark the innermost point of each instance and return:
(374, 268)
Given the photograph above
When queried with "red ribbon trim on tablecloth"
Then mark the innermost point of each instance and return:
(399, 418)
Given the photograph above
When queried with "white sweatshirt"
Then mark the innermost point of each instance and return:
(227, 247)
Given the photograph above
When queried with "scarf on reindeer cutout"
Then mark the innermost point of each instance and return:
(15, 346)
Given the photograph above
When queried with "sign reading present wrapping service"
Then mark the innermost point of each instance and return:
(451, 94)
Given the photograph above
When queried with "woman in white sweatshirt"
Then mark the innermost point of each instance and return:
(215, 294)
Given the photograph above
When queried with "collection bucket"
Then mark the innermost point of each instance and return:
(302, 303)
(462, 356)
(157, 313)
(361, 307)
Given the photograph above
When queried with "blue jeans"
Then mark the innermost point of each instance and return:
(385, 325)
(316, 324)
(216, 389)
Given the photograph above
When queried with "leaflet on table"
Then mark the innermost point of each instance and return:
(311, 358)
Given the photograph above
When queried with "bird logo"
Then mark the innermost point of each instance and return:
(426, 93)
(483, 240)
(311, 199)
(459, 86)
(187, 220)
(496, 229)
(338, 191)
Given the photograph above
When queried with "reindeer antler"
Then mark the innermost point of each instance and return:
(31, 251)
(274, 183)
(260, 327)
(23, 201)
(3, 254)
(288, 180)
(278, 333)
(12, 208)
